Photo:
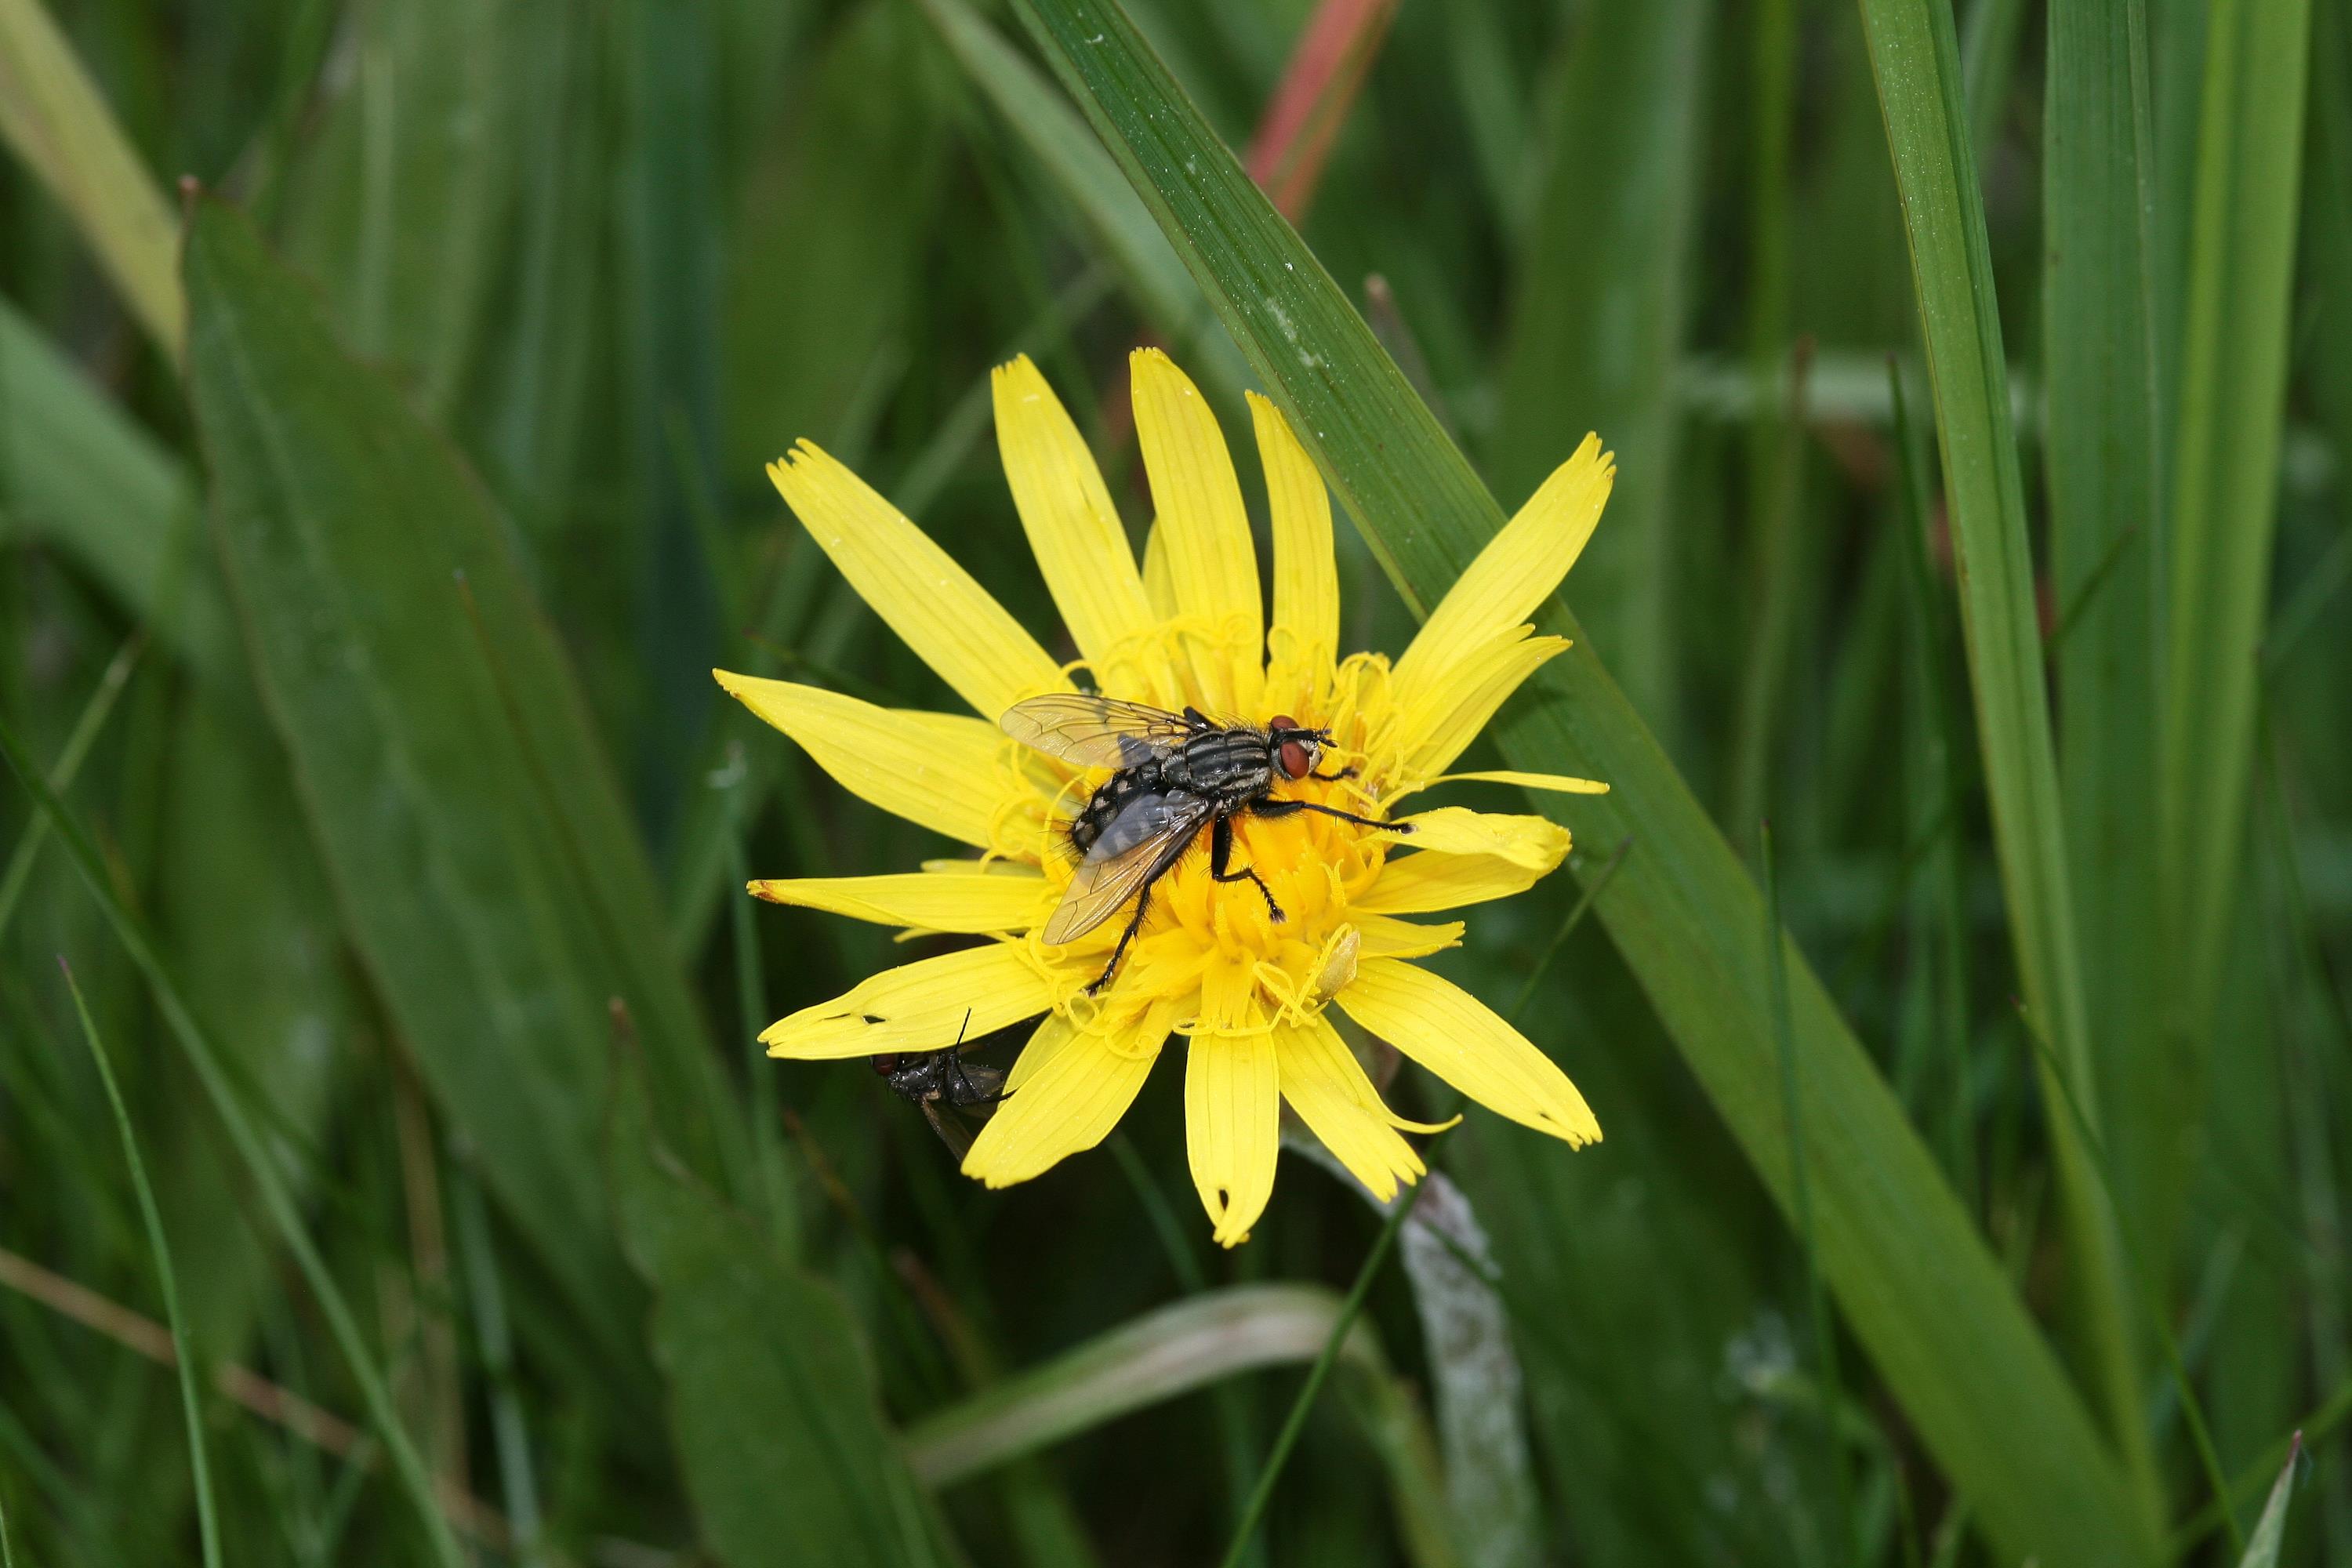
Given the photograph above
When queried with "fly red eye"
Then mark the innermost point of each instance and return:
(887, 1064)
(1281, 721)
(1296, 762)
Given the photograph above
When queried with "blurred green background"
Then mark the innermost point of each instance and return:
(361, 579)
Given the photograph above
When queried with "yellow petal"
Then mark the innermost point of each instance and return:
(963, 900)
(1536, 842)
(1159, 587)
(1381, 937)
(1212, 563)
(1558, 783)
(1327, 1087)
(951, 621)
(939, 769)
(1074, 530)
(1068, 1104)
(1233, 1127)
(1053, 1032)
(1306, 634)
(1440, 718)
(1421, 884)
(1517, 571)
(917, 1006)
(1459, 1038)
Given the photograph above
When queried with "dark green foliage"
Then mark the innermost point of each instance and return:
(1980, 380)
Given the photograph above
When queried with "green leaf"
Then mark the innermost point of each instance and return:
(1915, 57)
(2230, 404)
(780, 1433)
(191, 1407)
(52, 117)
(273, 983)
(1611, 243)
(258, 1161)
(1053, 135)
(1194, 1343)
(79, 473)
(818, 264)
(2269, 1530)
(1922, 1293)
(399, 202)
(1188, 1345)
(486, 872)
(2098, 352)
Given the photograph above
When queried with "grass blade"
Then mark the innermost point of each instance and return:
(1185, 1345)
(1611, 238)
(79, 472)
(2098, 351)
(1919, 1288)
(1342, 1322)
(2230, 407)
(2269, 1530)
(52, 116)
(260, 1165)
(207, 1515)
(778, 1435)
(438, 741)
(1044, 122)
(63, 772)
(1915, 57)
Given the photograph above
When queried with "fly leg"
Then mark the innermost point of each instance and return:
(1287, 807)
(1220, 854)
(1143, 902)
(1347, 772)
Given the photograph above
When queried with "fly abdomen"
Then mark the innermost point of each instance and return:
(1110, 797)
(1230, 764)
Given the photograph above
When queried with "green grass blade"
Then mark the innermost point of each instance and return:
(2098, 352)
(62, 773)
(207, 1514)
(1611, 238)
(1919, 1287)
(1915, 56)
(79, 472)
(1041, 120)
(1170, 1350)
(780, 1436)
(52, 117)
(260, 1164)
(2230, 407)
(1342, 1323)
(1816, 1306)
(398, 201)
(487, 871)
(2269, 1530)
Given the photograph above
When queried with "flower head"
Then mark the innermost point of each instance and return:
(1209, 963)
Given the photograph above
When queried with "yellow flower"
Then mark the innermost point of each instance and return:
(1209, 963)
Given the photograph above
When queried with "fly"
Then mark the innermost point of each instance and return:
(1177, 773)
(933, 1078)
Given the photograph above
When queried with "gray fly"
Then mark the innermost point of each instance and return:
(1176, 773)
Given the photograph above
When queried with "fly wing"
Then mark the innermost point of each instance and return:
(1143, 840)
(1096, 732)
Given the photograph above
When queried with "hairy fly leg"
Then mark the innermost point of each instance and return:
(1220, 854)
